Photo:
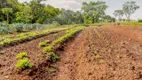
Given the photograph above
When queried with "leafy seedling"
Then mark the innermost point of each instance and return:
(101, 61)
(47, 41)
(54, 57)
(96, 54)
(23, 64)
(48, 49)
(42, 44)
(21, 55)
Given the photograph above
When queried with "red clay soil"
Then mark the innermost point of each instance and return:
(120, 55)
(118, 49)
(35, 54)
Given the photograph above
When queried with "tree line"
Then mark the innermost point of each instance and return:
(11, 11)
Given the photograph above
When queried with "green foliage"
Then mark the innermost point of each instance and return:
(86, 25)
(17, 27)
(48, 49)
(131, 23)
(24, 36)
(140, 20)
(54, 57)
(93, 11)
(119, 14)
(68, 34)
(7, 11)
(25, 14)
(23, 64)
(21, 55)
(129, 8)
(47, 41)
(42, 44)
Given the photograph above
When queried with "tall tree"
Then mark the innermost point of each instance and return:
(7, 11)
(129, 8)
(25, 14)
(119, 14)
(94, 10)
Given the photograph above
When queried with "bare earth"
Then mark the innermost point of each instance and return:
(118, 48)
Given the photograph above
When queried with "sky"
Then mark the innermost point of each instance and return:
(76, 5)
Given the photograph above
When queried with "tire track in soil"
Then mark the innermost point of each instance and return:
(121, 56)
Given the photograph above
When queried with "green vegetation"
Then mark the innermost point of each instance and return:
(96, 54)
(47, 41)
(24, 36)
(21, 55)
(23, 64)
(131, 23)
(68, 34)
(101, 61)
(54, 57)
(48, 49)
(23, 61)
(42, 44)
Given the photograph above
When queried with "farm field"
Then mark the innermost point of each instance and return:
(109, 52)
(70, 40)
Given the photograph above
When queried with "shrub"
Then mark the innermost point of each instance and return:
(22, 55)
(140, 20)
(54, 57)
(17, 27)
(4, 30)
(23, 64)
(42, 44)
(3, 24)
(48, 49)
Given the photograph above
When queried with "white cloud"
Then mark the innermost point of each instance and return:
(76, 5)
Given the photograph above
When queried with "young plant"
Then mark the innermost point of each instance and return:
(118, 55)
(21, 55)
(42, 44)
(101, 61)
(54, 57)
(48, 49)
(47, 41)
(96, 54)
(23, 64)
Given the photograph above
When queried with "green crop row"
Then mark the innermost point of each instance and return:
(69, 33)
(25, 36)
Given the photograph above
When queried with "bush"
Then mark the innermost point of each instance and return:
(54, 57)
(55, 23)
(23, 64)
(17, 27)
(42, 44)
(140, 20)
(4, 30)
(21, 55)
(3, 24)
